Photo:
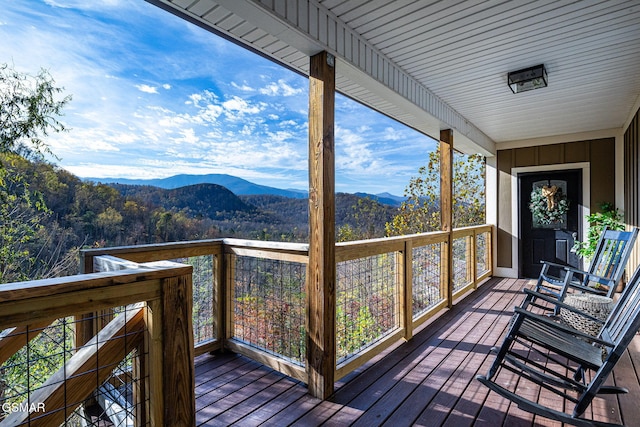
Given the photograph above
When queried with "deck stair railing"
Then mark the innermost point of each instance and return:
(136, 369)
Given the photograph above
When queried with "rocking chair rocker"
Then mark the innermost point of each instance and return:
(554, 356)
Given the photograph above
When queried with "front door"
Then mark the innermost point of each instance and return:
(549, 226)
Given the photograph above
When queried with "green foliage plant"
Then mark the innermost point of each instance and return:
(420, 213)
(29, 110)
(608, 217)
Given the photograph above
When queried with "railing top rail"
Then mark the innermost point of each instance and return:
(24, 303)
(268, 245)
(50, 287)
(404, 238)
(479, 227)
(159, 251)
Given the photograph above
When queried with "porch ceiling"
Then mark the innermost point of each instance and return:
(443, 64)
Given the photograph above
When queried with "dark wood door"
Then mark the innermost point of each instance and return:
(549, 241)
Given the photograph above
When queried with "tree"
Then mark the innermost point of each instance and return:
(420, 212)
(29, 111)
(364, 219)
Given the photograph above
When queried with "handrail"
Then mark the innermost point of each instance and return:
(165, 290)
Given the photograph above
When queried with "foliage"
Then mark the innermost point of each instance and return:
(539, 206)
(363, 219)
(21, 214)
(29, 111)
(421, 211)
(610, 218)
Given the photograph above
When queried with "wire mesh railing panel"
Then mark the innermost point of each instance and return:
(204, 288)
(367, 303)
(269, 306)
(427, 277)
(52, 381)
(482, 253)
(461, 263)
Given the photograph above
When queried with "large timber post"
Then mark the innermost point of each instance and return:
(446, 206)
(321, 279)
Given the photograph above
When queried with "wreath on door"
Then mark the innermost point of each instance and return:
(548, 204)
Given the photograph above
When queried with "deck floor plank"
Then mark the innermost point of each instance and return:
(428, 381)
(269, 409)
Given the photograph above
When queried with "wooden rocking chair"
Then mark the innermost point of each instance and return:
(605, 272)
(555, 357)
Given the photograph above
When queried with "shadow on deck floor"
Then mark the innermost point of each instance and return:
(428, 381)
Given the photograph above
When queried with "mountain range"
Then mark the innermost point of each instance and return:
(236, 185)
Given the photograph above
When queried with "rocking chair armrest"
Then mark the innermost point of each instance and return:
(563, 267)
(575, 270)
(552, 264)
(569, 270)
(590, 289)
(590, 277)
(560, 304)
(559, 326)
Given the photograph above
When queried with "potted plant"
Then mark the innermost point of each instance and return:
(610, 218)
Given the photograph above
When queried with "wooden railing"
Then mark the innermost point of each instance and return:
(249, 297)
(261, 309)
(152, 331)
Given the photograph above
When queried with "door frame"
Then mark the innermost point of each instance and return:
(585, 208)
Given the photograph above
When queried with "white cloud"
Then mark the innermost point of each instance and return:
(147, 88)
(241, 106)
(243, 87)
(166, 86)
(280, 88)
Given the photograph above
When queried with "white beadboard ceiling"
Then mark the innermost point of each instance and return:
(438, 64)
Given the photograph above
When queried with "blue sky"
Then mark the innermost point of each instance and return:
(155, 96)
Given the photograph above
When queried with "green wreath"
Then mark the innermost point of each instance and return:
(548, 204)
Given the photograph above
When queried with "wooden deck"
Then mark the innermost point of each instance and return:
(427, 382)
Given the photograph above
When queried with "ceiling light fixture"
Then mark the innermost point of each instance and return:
(527, 79)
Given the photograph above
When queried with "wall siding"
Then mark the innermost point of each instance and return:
(631, 186)
(600, 153)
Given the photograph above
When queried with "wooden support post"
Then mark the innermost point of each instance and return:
(321, 316)
(171, 368)
(220, 299)
(139, 391)
(446, 205)
(84, 326)
(405, 266)
(229, 295)
(153, 379)
(473, 246)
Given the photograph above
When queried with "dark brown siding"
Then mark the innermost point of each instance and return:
(600, 153)
(631, 179)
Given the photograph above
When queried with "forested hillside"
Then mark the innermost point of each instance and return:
(79, 214)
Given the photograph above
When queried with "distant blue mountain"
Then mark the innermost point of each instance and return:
(236, 185)
(384, 198)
